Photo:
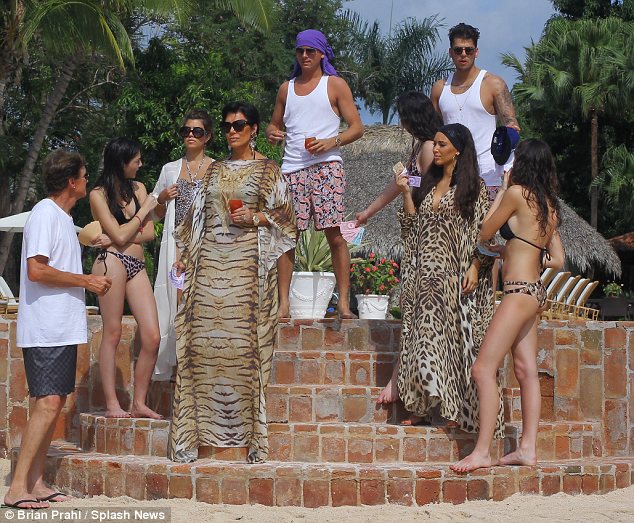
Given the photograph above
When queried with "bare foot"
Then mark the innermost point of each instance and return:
(389, 394)
(24, 500)
(412, 421)
(143, 411)
(519, 457)
(472, 462)
(283, 312)
(117, 413)
(346, 314)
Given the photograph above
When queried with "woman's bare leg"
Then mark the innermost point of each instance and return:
(512, 320)
(525, 365)
(143, 306)
(111, 309)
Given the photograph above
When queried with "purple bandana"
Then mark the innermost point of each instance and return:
(317, 40)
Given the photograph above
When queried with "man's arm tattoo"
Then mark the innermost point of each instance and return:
(504, 109)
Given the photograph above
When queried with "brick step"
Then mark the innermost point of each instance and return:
(318, 484)
(329, 403)
(331, 367)
(347, 442)
(333, 335)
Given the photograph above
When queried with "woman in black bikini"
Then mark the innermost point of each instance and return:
(527, 213)
(122, 205)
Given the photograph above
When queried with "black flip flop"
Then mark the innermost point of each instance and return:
(51, 497)
(20, 502)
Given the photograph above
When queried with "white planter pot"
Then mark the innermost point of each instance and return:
(310, 294)
(372, 306)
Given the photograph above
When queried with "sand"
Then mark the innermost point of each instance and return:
(614, 507)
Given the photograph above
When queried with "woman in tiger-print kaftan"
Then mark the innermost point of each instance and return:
(228, 320)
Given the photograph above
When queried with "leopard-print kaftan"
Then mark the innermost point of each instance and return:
(442, 327)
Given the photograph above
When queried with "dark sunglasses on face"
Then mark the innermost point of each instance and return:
(238, 126)
(198, 132)
(468, 50)
(310, 51)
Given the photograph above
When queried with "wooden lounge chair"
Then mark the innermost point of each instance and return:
(552, 291)
(579, 308)
(548, 275)
(558, 306)
(6, 295)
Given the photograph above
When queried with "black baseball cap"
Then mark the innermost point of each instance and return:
(503, 142)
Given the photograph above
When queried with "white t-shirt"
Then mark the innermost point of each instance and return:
(50, 316)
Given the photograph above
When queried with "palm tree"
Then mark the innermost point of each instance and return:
(72, 30)
(617, 178)
(582, 67)
(390, 65)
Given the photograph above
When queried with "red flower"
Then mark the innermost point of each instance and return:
(372, 255)
(391, 271)
(375, 268)
(382, 260)
(367, 269)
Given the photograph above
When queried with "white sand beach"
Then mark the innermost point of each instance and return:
(616, 506)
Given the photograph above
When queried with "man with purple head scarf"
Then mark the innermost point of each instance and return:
(307, 115)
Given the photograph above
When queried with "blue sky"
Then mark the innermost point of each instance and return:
(506, 26)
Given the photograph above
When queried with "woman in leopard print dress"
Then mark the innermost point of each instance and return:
(447, 295)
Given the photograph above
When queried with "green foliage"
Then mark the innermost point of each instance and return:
(312, 253)
(578, 70)
(396, 313)
(390, 65)
(595, 8)
(617, 179)
(373, 275)
(613, 289)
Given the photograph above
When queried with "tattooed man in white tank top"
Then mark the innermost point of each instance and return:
(475, 98)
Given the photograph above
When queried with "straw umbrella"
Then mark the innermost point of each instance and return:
(368, 163)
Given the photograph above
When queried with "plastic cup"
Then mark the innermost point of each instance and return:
(234, 205)
(308, 140)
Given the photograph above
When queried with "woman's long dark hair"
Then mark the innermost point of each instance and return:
(466, 176)
(418, 116)
(534, 169)
(119, 189)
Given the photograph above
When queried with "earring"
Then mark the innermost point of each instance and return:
(252, 142)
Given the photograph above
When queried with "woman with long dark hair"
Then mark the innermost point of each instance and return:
(419, 118)
(527, 213)
(446, 294)
(240, 223)
(122, 207)
(175, 191)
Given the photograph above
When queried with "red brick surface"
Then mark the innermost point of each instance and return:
(338, 445)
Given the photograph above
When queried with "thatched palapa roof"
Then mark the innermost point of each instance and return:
(368, 163)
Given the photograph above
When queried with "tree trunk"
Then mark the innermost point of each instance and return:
(594, 166)
(26, 176)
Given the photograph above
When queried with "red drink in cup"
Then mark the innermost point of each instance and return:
(234, 205)
(308, 140)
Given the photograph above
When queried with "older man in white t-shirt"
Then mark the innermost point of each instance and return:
(51, 320)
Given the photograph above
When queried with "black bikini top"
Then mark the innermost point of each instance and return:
(120, 217)
(507, 233)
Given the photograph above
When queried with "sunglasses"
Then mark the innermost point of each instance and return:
(238, 126)
(468, 50)
(198, 132)
(310, 51)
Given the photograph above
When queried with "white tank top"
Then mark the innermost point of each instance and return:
(308, 116)
(467, 109)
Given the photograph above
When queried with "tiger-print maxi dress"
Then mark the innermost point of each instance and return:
(227, 324)
(442, 327)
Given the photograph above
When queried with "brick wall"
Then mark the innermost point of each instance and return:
(586, 371)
